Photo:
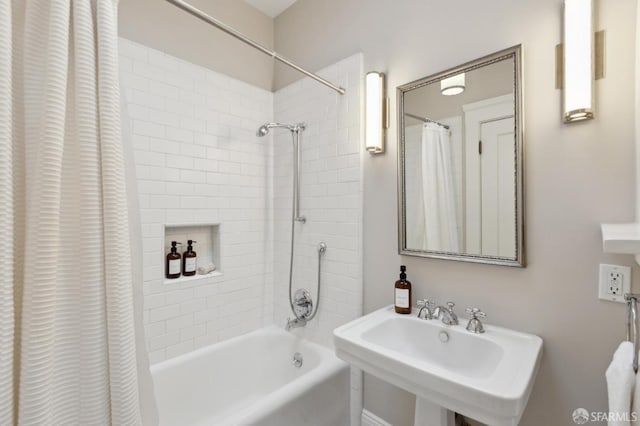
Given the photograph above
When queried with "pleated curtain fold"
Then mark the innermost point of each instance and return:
(68, 353)
(440, 224)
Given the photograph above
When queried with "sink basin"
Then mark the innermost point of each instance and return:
(487, 377)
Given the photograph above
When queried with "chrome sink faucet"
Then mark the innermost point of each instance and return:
(446, 314)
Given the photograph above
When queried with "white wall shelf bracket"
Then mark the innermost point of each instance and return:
(621, 238)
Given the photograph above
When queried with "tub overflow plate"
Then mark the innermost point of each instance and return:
(297, 360)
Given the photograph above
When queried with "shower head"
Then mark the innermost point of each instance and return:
(264, 129)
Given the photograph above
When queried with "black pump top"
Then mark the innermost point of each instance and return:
(403, 276)
(189, 245)
(173, 246)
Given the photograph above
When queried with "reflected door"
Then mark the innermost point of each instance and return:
(497, 172)
(490, 180)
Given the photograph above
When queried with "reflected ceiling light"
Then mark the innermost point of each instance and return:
(452, 85)
(578, 62)
(376, 112)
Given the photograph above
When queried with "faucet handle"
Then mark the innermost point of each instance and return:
(422, 302)
(474, 325)
(451, 305)
(475, 313)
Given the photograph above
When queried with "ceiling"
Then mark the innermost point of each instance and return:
(271, 8)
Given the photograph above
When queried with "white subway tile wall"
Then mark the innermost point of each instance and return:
(198, 161)
(330, 197)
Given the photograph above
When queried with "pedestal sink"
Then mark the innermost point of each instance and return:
(487, 377)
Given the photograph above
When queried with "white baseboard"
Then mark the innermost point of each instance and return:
(370, 419)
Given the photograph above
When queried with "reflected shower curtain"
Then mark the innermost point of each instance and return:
(439, 203)
(68, 352)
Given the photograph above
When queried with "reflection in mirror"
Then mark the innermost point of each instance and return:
(460, 163)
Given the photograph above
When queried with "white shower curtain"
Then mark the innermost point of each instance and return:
(68, 344)
(440, 231)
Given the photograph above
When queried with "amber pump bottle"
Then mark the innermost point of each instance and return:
(172, 269)
(189, 260)
(402, 293)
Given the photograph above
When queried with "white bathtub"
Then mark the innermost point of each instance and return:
(251, 380)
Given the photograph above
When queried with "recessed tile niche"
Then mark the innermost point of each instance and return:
(207, 247)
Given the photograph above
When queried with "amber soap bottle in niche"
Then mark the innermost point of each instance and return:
(402, 293)
(189, 260)
(172, 268)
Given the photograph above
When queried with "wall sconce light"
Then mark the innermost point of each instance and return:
(376, 112)
(452, 85)
(579, 61)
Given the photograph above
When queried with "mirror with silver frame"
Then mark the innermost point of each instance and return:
(460, 162)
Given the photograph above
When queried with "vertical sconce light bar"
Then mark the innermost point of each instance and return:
(577, 95)
(375, 112)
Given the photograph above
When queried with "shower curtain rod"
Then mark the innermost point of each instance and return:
(426, 120)
(234, 33)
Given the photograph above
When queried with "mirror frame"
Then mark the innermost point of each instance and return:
(514, 53)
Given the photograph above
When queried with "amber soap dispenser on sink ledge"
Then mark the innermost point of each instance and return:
(402, 293)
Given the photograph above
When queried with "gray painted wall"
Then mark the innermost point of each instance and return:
(577, 176)
(162, 26)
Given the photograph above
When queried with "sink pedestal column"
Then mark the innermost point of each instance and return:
(430, 414)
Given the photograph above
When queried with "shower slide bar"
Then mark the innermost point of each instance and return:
(426, 120)
(234, 33)
(632, 324)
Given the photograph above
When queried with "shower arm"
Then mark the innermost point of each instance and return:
(234, 33)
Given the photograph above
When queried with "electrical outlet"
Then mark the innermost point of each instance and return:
(614, 282)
